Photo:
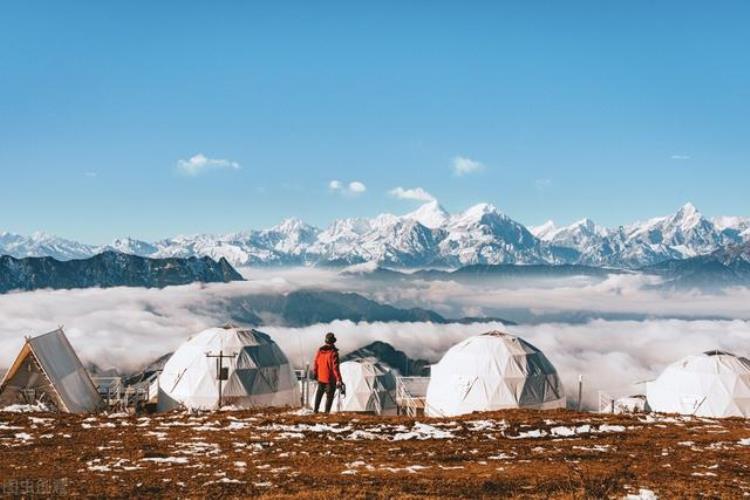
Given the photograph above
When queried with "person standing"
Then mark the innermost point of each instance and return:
(326, 372)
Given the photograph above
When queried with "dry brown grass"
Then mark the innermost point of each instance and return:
(128, 457)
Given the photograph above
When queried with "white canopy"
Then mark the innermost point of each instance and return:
(370, 387)
(259, 374)
(493, 371)
(711, 384)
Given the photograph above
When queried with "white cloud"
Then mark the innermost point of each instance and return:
(354, 188)
(463, 166)
(90, 174)
(416, 193)
(680, 157)
(357, 187)
(201, 163)
(128, 327)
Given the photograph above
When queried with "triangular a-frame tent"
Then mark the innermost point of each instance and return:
(47, 370)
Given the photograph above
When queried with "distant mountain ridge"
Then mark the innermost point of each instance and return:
(429, 236)
(110, 269)
(392, 357)
(308, 307)
(721, 268)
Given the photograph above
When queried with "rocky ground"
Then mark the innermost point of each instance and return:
(284, 454)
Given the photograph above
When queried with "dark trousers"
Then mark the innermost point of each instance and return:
(329, 389)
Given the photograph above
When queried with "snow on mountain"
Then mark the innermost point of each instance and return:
(483, 235)
(738, 227)
(429, 236)
(291, 236)
(130, 246)
(583, 242)
(431, 215)
(544, 232)
(42, 245)
(684, 234)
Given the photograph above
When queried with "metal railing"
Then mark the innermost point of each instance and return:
(118, 397)
(411, 395)
(621, 402)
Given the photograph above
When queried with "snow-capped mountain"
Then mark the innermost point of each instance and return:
(483, 235)
(429, 236)
(43, 245)
(431, 215)
(684, 234)
(734, 227)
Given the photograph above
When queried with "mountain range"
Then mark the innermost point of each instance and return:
(428, 237)
(722, 268)
(308, 307)
(110, 269)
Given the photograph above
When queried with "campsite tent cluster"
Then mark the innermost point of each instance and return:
(245, 368)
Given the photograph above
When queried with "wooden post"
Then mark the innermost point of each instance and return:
(580, 391)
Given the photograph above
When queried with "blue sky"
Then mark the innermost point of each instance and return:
(613, 110)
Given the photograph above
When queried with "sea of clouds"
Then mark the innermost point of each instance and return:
(125, 328)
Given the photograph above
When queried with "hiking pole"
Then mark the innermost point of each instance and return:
(341, 393)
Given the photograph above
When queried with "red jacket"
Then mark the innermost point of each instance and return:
(326, 366)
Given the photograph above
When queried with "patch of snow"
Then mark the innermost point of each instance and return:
(360, 435)
(563, 431)
(421, 432)
(611, 428)
(532, 434)
(39, 407)
(643, 494)
(166, 460)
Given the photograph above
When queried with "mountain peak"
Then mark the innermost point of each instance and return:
(431, 215)
(688, 209)
(291, 224)
(544, 231)
(688, 216)
(479, 210)
(585, 223)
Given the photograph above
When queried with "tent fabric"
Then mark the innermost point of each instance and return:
(711, 384)
(259, 373)
(61, 371)
(493, 371)
(370, 387)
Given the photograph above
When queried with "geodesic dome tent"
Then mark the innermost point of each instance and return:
(493, 371)
(710, 384)
(370, 387)
(258, 373)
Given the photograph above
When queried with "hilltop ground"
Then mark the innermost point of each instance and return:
(283, 454)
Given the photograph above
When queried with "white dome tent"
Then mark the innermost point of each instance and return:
(258, 373)
(370, 387)
(710, 384)
(493, 371)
